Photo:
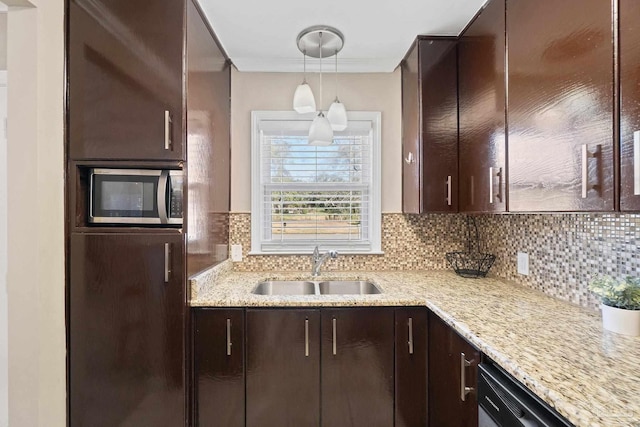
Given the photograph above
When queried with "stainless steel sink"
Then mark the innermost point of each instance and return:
(285, 287)
(317, 287)
(348, 287)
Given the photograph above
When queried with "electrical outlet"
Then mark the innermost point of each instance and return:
(523, 263)
(236, 253)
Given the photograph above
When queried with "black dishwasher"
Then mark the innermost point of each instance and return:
(504, 402)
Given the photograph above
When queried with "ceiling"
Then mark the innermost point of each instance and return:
(260, 35)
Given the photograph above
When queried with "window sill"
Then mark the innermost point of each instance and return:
(343, 252)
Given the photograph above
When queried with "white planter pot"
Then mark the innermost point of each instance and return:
(621, 321)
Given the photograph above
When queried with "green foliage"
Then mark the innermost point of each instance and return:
(617, 293)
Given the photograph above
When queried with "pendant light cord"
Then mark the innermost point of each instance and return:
(320, 71)
(304, 66)
(336, 74)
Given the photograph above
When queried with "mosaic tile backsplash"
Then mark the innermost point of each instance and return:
(409, 242)
(565, 250)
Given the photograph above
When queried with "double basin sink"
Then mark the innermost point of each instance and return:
(316, 287)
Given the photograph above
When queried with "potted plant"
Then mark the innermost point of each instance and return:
(620, 303)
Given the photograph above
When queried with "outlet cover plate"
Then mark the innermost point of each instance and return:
(236, 253)
(523, 263)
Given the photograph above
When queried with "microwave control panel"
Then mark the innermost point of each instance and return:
(175, 194)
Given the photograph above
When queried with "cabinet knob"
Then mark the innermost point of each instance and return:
(410, 158)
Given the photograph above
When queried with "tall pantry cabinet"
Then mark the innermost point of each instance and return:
(148, 88)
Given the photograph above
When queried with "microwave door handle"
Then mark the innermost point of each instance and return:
(163, 182)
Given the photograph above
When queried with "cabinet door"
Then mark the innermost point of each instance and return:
(411, 367)
(357, 367)
(126, 311)
(430, 127)
(218, 367)
(125, 79)
(630, 105)
(283, 367)
(439, 62)
(411, 133)
(560, 105)
(481, 80)
(452, 366)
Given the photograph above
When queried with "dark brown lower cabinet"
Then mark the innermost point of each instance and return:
(126, 311)
(411, 353)
(453, 366)
(218, 367)
(283, 367)
(357, 367)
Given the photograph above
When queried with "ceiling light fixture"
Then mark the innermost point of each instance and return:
(337, 114)
(303, 100)
(320, 42)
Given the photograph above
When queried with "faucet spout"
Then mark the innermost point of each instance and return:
(317, 260)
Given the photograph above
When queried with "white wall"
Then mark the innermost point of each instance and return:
(274, 91)
(4, 303)
(35, 276)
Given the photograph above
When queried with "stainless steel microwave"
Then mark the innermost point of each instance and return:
(135, 196)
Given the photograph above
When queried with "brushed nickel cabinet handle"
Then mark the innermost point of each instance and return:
(410, 324)
(167, 262)
(410, 158)
(167, 130)
(229, 343)
(464, 390)
(449, 190)
(491, 185)
(586, 155)
(636, 163)
(334, 321)
(306, 337)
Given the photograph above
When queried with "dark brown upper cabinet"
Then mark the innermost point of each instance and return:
(411, 367)
(630, 105)
(561, 104)
(125, 79)
(357, 366)
(283, 367)
(453, 377)
(127, 309)
(218, 367)
(481, 88)
(430, 127)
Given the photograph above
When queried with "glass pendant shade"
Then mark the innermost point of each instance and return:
(337, 115)
(320, 132)
(303, 100)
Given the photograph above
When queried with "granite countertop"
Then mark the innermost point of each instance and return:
(557, 349)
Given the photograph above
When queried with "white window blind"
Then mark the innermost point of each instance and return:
(307, 195)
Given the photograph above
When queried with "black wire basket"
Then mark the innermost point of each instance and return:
(472, 263)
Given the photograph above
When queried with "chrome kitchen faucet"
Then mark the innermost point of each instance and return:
(317, 260)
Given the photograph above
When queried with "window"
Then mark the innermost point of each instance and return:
(305, 195)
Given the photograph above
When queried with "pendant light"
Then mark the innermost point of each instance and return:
(337, 114)
(320, 132)
(303, 100)
(320, 41)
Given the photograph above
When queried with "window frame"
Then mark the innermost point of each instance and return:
(306, 246)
